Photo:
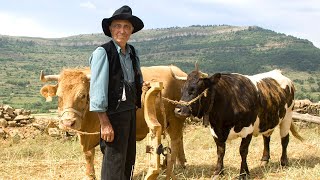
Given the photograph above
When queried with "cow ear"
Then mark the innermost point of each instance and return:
(214, 79)
(206, 82)
(49, 91)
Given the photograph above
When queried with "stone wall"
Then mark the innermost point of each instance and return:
(11, 117)
(307, 107)
(20, 124)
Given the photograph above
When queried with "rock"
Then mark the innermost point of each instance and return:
(26, 112)
(24, 121)
(7, 117)
(21, 117)
(9, 110)
(301, 103)
(54, 132)
(3, 122)
(41, 127)
(307, 107)
(18, 111)
(12, 123)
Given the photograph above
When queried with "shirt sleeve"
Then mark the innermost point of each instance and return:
(99, 81)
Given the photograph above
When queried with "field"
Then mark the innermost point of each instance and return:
(43, 157)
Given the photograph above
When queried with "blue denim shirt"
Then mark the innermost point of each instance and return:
(99, 81)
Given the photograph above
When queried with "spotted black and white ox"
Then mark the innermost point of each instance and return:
(241, 106)
(72, 89)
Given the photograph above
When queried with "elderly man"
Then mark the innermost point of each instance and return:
(115, 93)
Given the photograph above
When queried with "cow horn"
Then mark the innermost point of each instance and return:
(196, 66)
(182, 78)
(88, 76)
(45, 78)
(203, 75)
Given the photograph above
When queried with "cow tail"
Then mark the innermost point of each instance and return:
(295, 133)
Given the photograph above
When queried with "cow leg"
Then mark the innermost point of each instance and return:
(175, 131)
(89, 156)
(221, 149)
(178, 151)
(266, 150)
(284, 157)
(244, 171)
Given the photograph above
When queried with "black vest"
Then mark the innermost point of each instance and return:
(116, 78)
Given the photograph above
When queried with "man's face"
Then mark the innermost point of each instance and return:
(121, 31)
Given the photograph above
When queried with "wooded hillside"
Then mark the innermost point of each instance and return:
(223, 48)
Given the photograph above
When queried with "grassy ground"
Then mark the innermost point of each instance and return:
(45, 157)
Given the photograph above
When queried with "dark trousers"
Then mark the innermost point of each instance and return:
(119, 155)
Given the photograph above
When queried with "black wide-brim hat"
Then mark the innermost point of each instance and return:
(123, 13)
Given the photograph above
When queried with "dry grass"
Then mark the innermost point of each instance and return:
(45, 157)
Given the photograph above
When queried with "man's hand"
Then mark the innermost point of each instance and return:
(107, 132)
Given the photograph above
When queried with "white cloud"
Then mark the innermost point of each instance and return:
(244, 3)
(14, 25)
(88, 5)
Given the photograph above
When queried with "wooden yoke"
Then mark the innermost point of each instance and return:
(155, 130)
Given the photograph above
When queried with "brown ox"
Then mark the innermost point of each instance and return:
(72, 90)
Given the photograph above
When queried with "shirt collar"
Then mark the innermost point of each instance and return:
(128, 49)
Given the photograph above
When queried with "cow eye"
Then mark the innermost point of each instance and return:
(190, 90)
(82, 96)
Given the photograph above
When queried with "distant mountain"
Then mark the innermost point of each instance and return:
(246, 50)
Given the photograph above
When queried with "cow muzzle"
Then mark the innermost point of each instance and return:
(70, 118)
(180, 112)
(67, 122)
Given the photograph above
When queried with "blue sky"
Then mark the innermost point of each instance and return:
(61, 18)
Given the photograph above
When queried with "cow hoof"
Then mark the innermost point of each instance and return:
(284, 160)
(284, 163)
(215, 177)
(244, 176)
(90, 177)
(183, 166)
(264, 163)
(182, 163)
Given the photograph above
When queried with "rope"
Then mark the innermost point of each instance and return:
(184, 103)
(204, 93)
(71, 110)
